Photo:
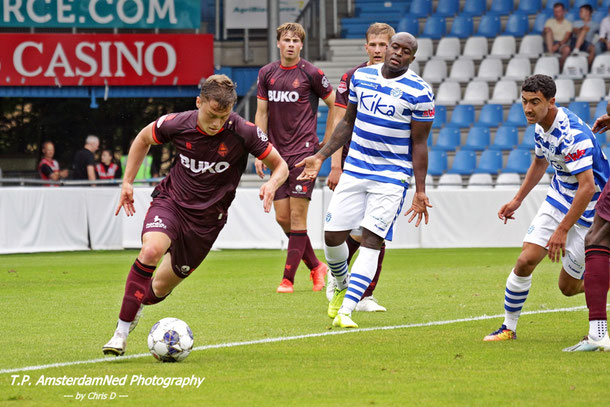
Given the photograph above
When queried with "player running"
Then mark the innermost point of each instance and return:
(377, 39)
(558, 230)
(287, 107)
(389, 117)
(189, 207)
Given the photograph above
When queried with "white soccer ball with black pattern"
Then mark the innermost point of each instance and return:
(170, 340)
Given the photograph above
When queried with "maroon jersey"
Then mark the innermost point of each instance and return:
(292, 94)
(207, 169)
(341, 100)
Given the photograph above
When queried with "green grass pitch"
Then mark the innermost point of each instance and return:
(60, 308)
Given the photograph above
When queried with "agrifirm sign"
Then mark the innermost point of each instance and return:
(253, 13)
(167, 14)
(105, 59)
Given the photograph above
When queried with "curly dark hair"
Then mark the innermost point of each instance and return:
(543, 83)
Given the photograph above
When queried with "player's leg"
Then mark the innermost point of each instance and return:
(383, 203)
(596, 284)
(368, 303)
(517, 289)
(154, 245)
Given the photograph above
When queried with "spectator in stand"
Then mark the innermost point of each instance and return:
(603, 44)
(48, 168)
(557, 33)
(84, 161)
(584, 30)
(107, 168)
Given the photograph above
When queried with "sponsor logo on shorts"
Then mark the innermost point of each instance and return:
(203, 166)
(530, 229)
(184, 270)
(300, 189)
(381, 223)
(156, 223)
(329, 216)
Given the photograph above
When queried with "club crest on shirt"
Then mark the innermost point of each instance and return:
(189, 146)
(296, 83)
(342, 87)
(272, 81)
(395, 92)
(223, 150)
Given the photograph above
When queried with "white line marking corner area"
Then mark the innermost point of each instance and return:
(290, 338)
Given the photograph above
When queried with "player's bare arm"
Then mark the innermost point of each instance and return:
(138, 151)
(279, 175)
(261, 119)
(586, 189)
(532, 177)
(419, 150)
(335, 164)
(342, 133)
(330, 102)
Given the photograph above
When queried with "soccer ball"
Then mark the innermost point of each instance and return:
(170, 340)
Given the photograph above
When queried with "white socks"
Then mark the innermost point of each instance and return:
(598, 329)
(363, 271)
(336, 257)
(517, 289)
(123, 327)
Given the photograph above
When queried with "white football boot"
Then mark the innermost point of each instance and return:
(116, 345)
(589, 345)
(369, 304)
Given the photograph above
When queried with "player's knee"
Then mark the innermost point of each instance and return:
(283, 221)
(160, 289)
(525, 266)
(570, 289)
(151, 253)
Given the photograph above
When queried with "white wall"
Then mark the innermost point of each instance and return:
(56, 219)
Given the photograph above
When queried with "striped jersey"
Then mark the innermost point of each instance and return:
(381, 140)
(571, 148)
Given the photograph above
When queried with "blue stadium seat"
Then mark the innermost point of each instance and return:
(527, 143)
(489, 26)
(600, 110)
(462, 116)
(507, 137)
(599, 15)
(437, 162)
(474, 8)
(464, 162)
(540, 20)
(491, 116)
(325, 168)
(420, 8)
(501, 7)
(517, 25)
(440, 116)
(408, 24)
(518, 161)
(602, 139)
(516, 117)
(490, 162)
(447, 8)
(434, 28)
(529, 6)
(580, 109)
(579, 3)
(462, 27)
(448, 139)
(478, 139)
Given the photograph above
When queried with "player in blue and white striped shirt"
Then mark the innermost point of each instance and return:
(389, 118)
(564, 141)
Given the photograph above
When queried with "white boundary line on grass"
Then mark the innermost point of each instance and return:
(288, 338)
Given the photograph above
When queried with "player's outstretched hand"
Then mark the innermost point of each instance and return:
(266, 194)
(602, 124)
(419, 208)
(557, 245)
(126, 200)
(507, 211)
(312, 166)
(333, 178)
(260, 167)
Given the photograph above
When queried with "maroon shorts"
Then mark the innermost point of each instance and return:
(602, 207)
(192, 234)
(292, 187)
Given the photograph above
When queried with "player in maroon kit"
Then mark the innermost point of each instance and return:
(597, 256)
(48, 168)
(378, 37)
(288, 94)
(189, 207)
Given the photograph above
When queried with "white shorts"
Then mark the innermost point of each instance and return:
(544, 225)
(364, 203)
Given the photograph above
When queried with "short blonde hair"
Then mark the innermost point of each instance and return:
(221, 89)
(291, 27)
(380, 29)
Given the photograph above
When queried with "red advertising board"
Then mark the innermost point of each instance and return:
(105, 59)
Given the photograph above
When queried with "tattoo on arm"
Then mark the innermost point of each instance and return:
(342, 132)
